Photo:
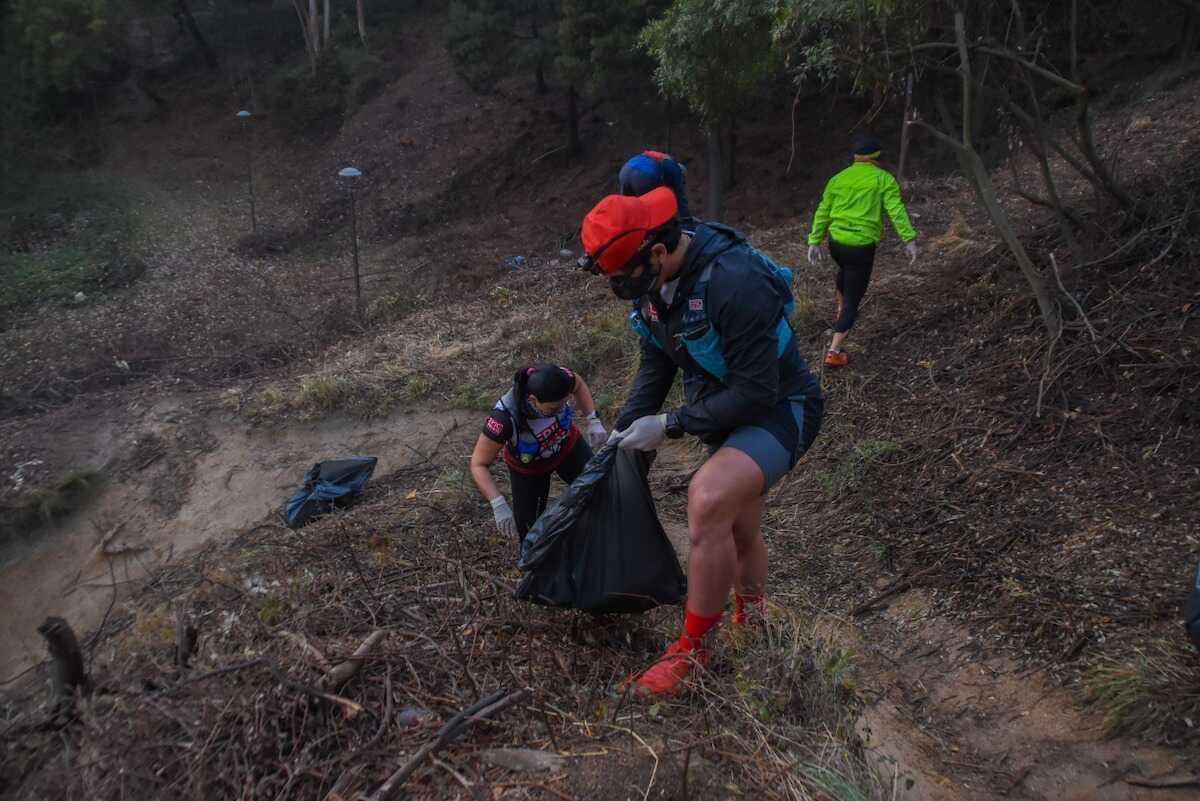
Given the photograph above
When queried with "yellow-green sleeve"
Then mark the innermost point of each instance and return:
(821, 217)
(896, 211)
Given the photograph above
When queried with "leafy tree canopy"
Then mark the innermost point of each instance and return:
(490, 39)
(713, 53)
(65, 42)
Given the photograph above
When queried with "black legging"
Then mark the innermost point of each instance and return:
(529, 492)
(854, 274)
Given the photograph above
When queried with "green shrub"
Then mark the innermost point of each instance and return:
(320, 392)
(61, 235)
(55, 275)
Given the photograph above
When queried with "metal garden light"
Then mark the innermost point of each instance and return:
(351, 174)
(245, 116)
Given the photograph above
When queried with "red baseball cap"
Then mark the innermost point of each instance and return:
(617, 226)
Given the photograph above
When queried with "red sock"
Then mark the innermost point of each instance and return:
(739, 606)
(694, 628)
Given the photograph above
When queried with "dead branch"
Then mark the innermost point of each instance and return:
(897, 587)
(1086, 143)
(345, 671)
(481, 710)
(1075, 303)
(185, 639)
(308, 650)
(106, 538)
(214, 673)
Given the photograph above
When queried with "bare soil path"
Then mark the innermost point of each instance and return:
(180, 471)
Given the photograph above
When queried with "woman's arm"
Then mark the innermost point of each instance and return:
(583, 397)
(485, 453)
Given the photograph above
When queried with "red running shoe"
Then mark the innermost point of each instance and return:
(668, 674)
(837, 358)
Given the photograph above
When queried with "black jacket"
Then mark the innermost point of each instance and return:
(744, 305)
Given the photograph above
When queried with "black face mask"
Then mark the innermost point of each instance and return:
(627, 287)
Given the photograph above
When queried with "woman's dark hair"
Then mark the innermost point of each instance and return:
(546, 382)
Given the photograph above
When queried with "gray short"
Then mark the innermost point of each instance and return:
(777, 442)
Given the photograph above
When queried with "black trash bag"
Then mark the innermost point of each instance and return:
(1191, 611)
(326, 484)
(600, 547)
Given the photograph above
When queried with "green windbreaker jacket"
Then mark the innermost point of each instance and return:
(852, 207)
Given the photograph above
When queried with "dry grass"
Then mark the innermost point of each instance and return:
(959, 241)
(322, 393)
(45, 505)
(789, 697)
(1153, 691)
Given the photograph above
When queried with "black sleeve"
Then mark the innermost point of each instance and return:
(499, 426)
(655, 375)
(746, 314)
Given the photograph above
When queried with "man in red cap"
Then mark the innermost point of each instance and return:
(708, 304)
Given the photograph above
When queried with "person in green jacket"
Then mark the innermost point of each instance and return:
(851, 212)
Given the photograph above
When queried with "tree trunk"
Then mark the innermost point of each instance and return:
(713, 208)
(573, 144)
(183, 14)
(730, 154)
(985, 191)
(670, 121)
(306, 29)
(1189, 35)
(362, 23)
(1083, 120)
(314, 30)
(540, 67)
(325, 26)
(904, 139)
(1040, 151)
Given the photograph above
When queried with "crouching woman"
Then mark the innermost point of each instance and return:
(534, 426)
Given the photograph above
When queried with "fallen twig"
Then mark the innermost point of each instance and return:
(896, 588)
(345, 671)
(314, 657)
(480, 710)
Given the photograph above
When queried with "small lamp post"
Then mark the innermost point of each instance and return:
(245, 116)
(351, 174)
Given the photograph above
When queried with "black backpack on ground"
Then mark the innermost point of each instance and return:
(325, 485)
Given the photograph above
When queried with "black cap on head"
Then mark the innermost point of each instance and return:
(549, 383)
(865, 144)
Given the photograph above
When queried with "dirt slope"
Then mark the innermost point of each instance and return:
(1036, 534)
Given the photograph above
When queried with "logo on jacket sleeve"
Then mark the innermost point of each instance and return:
(695, 304)
(495, 426)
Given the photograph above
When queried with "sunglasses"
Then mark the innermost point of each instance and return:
(591, 264)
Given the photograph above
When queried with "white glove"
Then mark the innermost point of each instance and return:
(504, 517)
(910, 247)
(595, 433)
(814, 254)
(644, 434)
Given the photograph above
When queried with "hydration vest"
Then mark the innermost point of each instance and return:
(697, 335)
(542, 437)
